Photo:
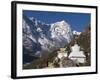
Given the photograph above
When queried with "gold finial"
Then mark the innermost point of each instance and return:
(62, 49)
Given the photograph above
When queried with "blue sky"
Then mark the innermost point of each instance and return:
(78, 21)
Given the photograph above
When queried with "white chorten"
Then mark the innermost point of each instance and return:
(62, 53)
(76, 54)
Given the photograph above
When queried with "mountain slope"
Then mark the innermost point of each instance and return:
(40, 38)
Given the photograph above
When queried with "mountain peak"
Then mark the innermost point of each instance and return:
(76, 32)
(31, 18)
(63, 21)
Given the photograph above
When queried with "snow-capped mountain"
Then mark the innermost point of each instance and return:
(39, 37)
(76, 32)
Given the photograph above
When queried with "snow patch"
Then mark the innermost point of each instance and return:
(76, 32)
